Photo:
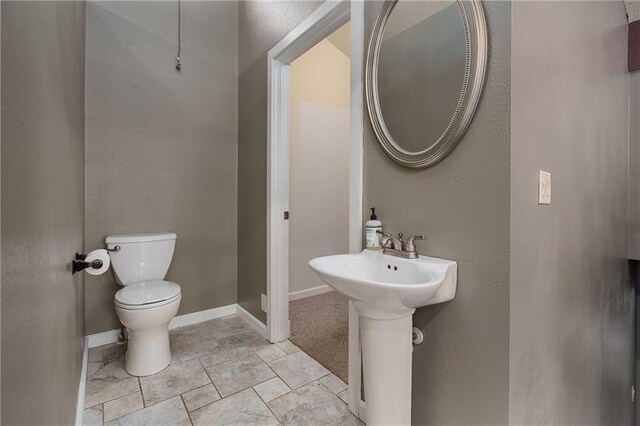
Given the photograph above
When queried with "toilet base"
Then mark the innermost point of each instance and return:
(148, 351)
(148, 348)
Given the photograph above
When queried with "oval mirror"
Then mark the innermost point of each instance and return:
(424, 74)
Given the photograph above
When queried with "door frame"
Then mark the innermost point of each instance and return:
(330, 16)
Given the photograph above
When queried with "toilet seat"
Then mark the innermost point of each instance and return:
(147, 294)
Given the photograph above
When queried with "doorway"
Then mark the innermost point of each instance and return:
(328, 18)
(319, 196)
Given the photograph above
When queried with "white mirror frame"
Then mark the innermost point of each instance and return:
(476, 41)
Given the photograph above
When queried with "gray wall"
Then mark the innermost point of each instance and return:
(261, 25)
(571, 301)
(42, 209)
(461, 372)
(161, 144)
(634, 165)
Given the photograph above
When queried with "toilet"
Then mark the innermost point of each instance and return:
(146, 303)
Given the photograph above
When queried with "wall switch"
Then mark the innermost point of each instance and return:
(544, 187)
(263, 302)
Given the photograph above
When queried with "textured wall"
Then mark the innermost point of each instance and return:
(319, 160)
(634, 165)
(261, 25)
(461, 372)
(161, 144)
(571, 300)
(42, 210)
(633, 10)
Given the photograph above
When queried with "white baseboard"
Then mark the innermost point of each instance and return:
(111, 336)
(253, 322)
(103, 338)
(83, 381)
(201, 316)
(313, 291)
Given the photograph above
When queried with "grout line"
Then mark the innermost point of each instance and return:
(277, 377)
(110, 400)
(122, 415)
(231, 394)
(267, 405)
(185, 407)
(211, 380)
(281, 396)
(144, 401)
(121, 396)
(242, 390)
(334, 394)
(325, 375)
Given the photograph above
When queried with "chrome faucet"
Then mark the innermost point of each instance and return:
(397, 247)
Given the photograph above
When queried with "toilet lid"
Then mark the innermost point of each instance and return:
(147, 292)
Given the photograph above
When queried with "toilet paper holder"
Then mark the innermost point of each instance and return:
(79, 263)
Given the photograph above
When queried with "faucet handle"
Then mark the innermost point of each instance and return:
(410, 245)
(385, 237)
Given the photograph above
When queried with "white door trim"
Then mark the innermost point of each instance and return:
(326, 19)
(356, 122)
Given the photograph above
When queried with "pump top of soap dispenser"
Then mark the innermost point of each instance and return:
(373, 214)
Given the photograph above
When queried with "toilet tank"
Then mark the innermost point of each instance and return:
(142, 257)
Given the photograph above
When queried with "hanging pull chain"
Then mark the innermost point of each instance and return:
(179, 64)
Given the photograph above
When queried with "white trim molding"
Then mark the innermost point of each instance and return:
(309, 292)
(111, 336)
(104, 338)
(253, 322)
(354, 392)
(83, 381)
(356, 124)
(201, 316)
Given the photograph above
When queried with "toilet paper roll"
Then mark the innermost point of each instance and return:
(100, 254)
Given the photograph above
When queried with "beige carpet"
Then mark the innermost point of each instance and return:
(320, 327)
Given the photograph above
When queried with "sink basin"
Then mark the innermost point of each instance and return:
(386, 282)
(386, 290)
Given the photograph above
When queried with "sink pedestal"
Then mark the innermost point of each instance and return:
(387, 357)
(386, 291)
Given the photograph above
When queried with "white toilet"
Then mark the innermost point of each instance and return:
(146, 303)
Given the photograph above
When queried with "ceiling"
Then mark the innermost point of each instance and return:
(633, 10)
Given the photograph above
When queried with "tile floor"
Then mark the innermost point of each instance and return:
(222, 373)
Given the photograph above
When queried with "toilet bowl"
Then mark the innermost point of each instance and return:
(146, 303)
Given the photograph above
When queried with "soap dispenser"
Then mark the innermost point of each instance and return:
(373, 225)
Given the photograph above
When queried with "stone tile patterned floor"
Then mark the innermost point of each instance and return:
(222, 373)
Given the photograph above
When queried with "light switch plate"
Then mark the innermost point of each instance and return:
(263, 302)
(544, 187)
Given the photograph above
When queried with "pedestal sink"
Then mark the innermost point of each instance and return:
(386, 290)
